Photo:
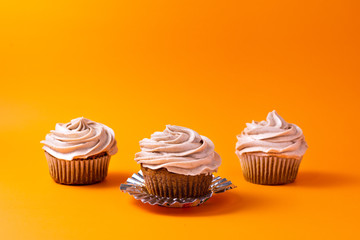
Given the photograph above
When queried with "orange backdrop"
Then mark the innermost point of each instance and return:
(208, 65)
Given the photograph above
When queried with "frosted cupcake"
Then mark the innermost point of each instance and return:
(79, 152)
(178, 163)
(270, 151)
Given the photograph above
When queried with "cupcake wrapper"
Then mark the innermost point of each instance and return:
(135, 186)
(78, 171)
(269, 170)
(165, 184)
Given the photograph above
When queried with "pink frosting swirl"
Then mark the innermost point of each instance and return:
(180, 150)
(80, 138)
(273, 136)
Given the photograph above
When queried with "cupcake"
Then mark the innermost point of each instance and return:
(79, 152)
(270, 151)
(178, 163)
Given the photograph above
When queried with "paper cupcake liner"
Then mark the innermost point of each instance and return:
(135, 186)
(78, 171)
(269, 170)
(166, 184)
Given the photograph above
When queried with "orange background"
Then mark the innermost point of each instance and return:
(208, 65)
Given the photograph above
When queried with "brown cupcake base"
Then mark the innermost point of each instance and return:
(78, 171)
(163, 183)
(269, 170)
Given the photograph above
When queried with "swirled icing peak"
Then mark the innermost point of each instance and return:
(273, 136)
(79, 139)
(180, 150)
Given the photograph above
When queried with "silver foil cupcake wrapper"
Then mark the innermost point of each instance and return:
(135, 186)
